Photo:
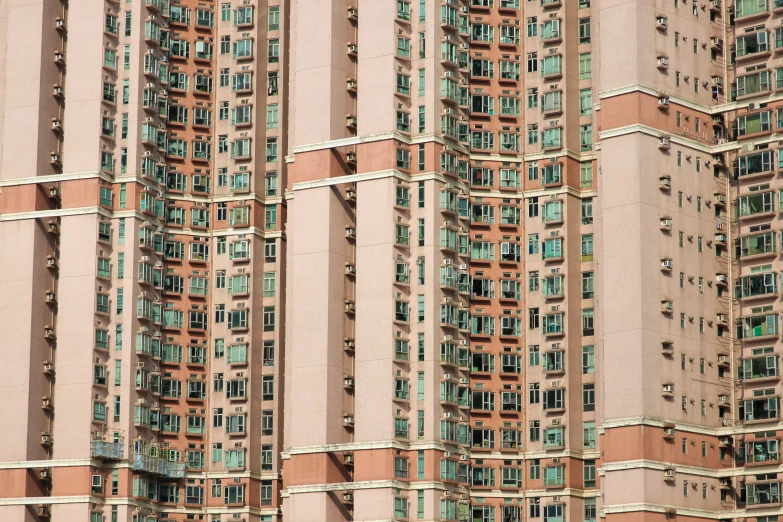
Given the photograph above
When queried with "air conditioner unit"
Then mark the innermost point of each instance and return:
(349, 344)
(54, 158)
(464, 342)
(666, 264)
(46, 438)
(352, 49)
(448, 454)
(51, 261)
(351, 157)
(348, 382)
(49, 332)
(46, 403)
(666, 222)
(350, 269)
(663, 62)
(348, 459)
(348, 420)
(663, 143)
(661, 22)
(56, 124)
(464, 380)
(463, 267)
(45, 474)
(48, 368)
(722, 278)
(669, 473)
(59, 23)
(51, 297)
(350, 85)
(668, 431)
(448, 415)
(57, 91)
(464, 458)
(448, 376)
(350, 306)
(350, 232)
(717, 80)
(59, 57)
(668, 388)
(447, 494)
(663, 102)
(447, 261)
(43, 511)
(353, 14)
(350, 195)
(348, 497)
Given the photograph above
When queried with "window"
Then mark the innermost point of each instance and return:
(535, 469)
(585, 66)
(585, 102)
(532, 98)
(588, 397)
(587, 247)
(532, 26)
(586, 175)
(586, 137)
(584, 30)
(588, 434)
(588, 359)
(532, 62)
(400, 467)
(274, 18)
(589, 473)
(590, 511)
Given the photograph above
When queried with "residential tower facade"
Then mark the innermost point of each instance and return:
(459, 260)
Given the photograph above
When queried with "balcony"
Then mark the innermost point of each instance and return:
(757, 286)
(759, 327)
(100, 449)
(554, 325)
(762, 495)
(758, 164)
(750, 46)
(760, 452)
(758, 369)
(554, 70)
(751, 9)
(762, 409)
(758, 245)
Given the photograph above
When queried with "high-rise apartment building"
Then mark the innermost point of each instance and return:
(390, 260)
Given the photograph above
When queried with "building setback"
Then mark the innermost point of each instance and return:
(374, 260)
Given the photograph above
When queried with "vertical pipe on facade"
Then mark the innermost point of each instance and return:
(725, 14)
(351, 433)
(55, 246)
